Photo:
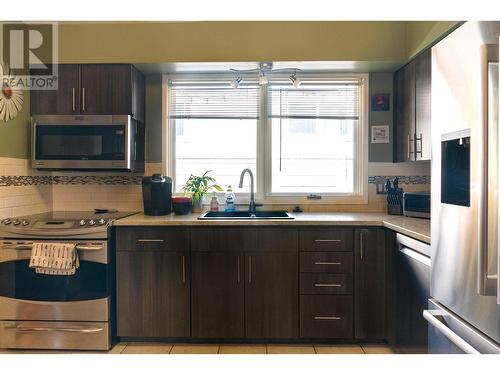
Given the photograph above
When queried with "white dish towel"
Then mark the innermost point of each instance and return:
(54, 258)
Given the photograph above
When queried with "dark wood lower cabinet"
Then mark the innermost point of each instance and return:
(153, 294)
(271, 295)
(218, 295)
(370, 284)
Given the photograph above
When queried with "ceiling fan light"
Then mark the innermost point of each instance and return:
(236, 82)
(295, 81)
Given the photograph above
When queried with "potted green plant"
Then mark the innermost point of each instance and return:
(197, 187)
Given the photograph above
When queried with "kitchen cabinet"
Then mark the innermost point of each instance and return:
(412, 109)
(326, 282)
(218, 295)
(370, 284)
(63, 101)
(93, 89)
(252, 273)
(153, 282)
(271, 294)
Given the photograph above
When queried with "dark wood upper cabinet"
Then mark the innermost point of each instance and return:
(423, 105)
(65, 100)
(370, 284)
(94, 89)
(412, 109)
(218, 295)
(271, 294)
(153, 294)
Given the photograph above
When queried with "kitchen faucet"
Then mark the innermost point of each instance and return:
(251, 206)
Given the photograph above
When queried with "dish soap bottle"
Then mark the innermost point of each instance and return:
(214, 203)
(230, 200)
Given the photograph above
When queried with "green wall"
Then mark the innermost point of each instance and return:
(15, 134)
(381, 83)
(153, 120)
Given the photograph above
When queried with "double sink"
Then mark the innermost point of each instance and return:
(245, 215)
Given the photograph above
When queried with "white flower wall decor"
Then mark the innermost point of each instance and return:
(11, 98)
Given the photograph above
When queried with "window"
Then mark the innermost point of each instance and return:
(298, 141)
(313, 138)
(215, 129)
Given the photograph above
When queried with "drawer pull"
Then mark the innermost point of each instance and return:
(54, 329)
(327, 240)
(327, 318)
(322, 285)
(327, 263)
(150, 240)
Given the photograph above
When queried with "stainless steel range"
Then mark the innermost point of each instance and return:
(39, 311)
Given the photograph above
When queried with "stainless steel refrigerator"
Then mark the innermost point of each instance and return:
(464, 311)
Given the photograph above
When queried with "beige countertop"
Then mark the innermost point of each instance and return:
(412, 227)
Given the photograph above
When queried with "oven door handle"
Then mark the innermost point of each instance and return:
(78, 247)
(23, 328)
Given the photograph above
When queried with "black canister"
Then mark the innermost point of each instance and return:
(157, 195)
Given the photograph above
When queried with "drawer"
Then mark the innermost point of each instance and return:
(326, 262)
(54, 335)
(152, 238)
(326, 239)
(326, 317)
(325, 283)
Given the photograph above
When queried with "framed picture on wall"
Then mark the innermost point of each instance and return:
(380, 102)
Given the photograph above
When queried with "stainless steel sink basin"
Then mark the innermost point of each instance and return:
(245, 215)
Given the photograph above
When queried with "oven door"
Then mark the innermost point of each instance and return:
(26, 295)
(82, 142)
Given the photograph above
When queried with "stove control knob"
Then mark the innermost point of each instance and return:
(102, 221)
(6, 221)
(16, 222)
(91, 222)
(82, 222)
(25, 223)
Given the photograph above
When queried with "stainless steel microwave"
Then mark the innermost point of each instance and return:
(90, 142)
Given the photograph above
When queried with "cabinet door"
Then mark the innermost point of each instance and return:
(217, 294)
(423, 105)
(271, 294)
(106, 89)
(370, 284)
(404, 99)
(153, 294)
(63, 101)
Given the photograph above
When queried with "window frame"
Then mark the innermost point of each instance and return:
(264, 142)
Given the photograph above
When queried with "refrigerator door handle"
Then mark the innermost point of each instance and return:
(431, 317)
(488, 193)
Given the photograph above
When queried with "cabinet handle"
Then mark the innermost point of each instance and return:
(327, 263)
(361, 244)
(249, 269)
(74, 105)
(147, 240)
(320, 285)
(184, 269)
(238, 271)
(327, 240)
(417, 139)
(327, 318)
(83, 98)
(409, 148)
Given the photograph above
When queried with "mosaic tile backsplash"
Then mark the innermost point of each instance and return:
(24, 191)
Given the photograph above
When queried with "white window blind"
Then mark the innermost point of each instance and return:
(333, 101)
(210, 100)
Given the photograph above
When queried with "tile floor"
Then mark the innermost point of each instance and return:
(166, 348)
